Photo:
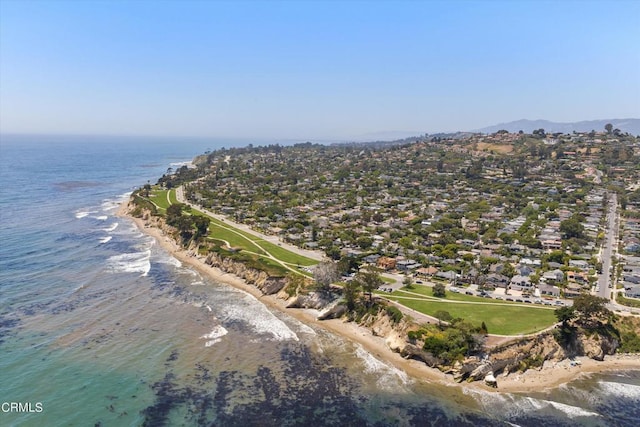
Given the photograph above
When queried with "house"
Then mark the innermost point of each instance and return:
(632, 291)
(631, 278)
(579, 263)
(553, 276)
(552, 244)
(524, 270)
(572, 290)
(550, 290)
(497, 280)
(520, 283)
(386, 263)
(406, 265)
(371, 259)
(448, 275)
(427, 271)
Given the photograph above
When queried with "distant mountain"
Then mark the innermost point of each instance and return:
(625, 125)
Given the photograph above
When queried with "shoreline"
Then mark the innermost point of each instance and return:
(551, 375)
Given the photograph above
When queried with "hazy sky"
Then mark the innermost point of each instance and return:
(312, 70)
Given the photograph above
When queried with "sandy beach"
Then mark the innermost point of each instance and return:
(549, 376)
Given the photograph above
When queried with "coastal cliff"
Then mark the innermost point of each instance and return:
(397, 331)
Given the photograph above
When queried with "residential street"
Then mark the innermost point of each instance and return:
(608, 249)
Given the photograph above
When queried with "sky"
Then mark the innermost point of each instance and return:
(312, 70)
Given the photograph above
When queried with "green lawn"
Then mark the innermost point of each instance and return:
(220, 230)
(501, 318)
(234, 239)
(457, 296)
(285, 255)
(159, 198)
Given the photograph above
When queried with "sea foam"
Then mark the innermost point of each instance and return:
(254, 314)
(389, 377)
(615, 389)
(137, 262)
(82, 214)
(111, 228)
(215, 336)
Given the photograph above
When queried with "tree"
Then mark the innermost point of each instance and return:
(325, 274)
(564, 314)
(572, 227)
(369, 280)
(407, 282)
(590, 307)
(351, 292)
(347, 264)
(202, 225)
(443, 316)
(439, 290)
(608, 127)
(483, 328)
(508, 270)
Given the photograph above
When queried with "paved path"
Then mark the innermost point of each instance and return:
(181, 199)
(314, 255)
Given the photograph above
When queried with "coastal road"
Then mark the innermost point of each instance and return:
(608, 249)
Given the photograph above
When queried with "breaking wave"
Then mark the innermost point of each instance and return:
(137, 262)
(389, 377)
(215, 336)
(252, 313)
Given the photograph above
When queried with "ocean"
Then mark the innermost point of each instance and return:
(100, 327)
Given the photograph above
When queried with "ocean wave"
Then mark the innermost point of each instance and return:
(111, 228)
(569, 410)
(389, 377)
(105, 239)
(168, 259)
(511, 406)
(615, 389)
(215, 336)
(114, 203)
(254, 314)
(137, 262)
(82, 214)
(101, 217)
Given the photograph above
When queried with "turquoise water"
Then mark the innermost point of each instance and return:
(99, 326)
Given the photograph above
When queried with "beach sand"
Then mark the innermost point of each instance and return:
(549, 376)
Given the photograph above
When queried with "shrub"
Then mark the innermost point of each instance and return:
(394, 313)
(630, 343)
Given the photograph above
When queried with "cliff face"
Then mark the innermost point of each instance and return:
(519, 355)
(260, 279)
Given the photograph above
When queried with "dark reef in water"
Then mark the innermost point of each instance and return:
(6, 325)
(309, 391)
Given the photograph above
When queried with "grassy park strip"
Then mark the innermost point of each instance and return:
(235, 238)
(500, 317)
